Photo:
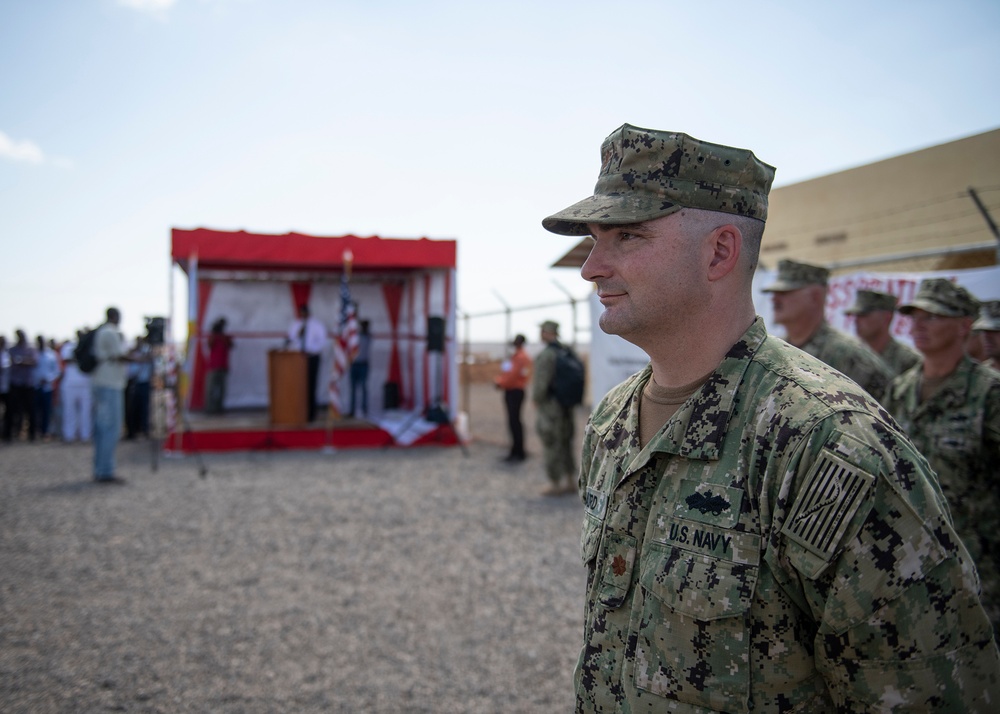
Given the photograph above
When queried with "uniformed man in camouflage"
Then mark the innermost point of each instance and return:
(950, 408)
(759, 535)
(553, 421)
(988, 327)
(873, 312)
(799, 300)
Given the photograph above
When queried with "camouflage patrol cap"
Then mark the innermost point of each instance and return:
(939, 296)
(647, 174)
(550, 326)
(793, 275)
(866, 301)
(989, 317)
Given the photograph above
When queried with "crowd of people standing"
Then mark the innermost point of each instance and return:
(44, 396)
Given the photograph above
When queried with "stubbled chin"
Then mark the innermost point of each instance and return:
(608, 322)
(605, 322)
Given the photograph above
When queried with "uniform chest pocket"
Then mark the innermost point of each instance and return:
(693, 638)
(596, 503)
(956, 429)
(590, 538)
(954, 440)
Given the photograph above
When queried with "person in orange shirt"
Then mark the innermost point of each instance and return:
(513, 378)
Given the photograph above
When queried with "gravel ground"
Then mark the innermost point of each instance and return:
(393, 580)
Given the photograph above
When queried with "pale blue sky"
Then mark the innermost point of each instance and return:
(121, 119)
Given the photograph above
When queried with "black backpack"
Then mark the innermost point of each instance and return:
(569, 378)
(84, 355)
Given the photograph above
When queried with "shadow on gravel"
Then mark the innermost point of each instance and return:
(79, 487)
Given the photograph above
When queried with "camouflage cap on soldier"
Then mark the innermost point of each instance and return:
(647, 174)
(989, 317)
(550, 326)
(793, 275)
(939, 296)
(866, 301)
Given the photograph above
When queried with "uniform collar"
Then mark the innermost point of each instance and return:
(819, 336)
(954, 391)
(698, 428)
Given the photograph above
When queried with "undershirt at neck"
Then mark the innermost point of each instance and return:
(657, 404)
(928, 387)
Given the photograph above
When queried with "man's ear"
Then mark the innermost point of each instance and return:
(727, 244)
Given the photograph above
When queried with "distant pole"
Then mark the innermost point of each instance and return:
(988, 219)
(572, 304)
(507, 313)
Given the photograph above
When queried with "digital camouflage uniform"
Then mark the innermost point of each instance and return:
(899, 357)
(958, 430)
(553, 421)
(849, 356)
(778, 546)
(827, 344)
(896, 355)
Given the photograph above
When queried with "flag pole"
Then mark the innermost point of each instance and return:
(333, 411)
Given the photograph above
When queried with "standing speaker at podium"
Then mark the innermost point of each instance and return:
(308, 335)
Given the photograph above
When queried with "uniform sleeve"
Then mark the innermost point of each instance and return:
(868, 547)
(545, 368)
(586, 459)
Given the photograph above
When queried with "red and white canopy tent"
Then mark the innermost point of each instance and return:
(258, 281)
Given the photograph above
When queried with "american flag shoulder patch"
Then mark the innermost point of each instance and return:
(827, 501)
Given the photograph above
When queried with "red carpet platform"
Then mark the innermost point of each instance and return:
(251, 431)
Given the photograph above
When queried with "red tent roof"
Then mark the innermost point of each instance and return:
(296, 251)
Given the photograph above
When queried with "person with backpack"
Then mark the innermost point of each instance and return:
(554, 416)
(108, 380)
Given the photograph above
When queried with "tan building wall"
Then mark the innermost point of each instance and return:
(912, 212)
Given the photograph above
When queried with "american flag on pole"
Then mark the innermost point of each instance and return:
(345, 348)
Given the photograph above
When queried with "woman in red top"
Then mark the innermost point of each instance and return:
(219, 344)
(513, 378)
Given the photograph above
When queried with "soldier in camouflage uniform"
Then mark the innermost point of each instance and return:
(950, 408)
(772, 542)
(988, 327)
(873, 312)
(553, 421)
(799, 297)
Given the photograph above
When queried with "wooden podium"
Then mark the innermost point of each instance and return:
(286, 388)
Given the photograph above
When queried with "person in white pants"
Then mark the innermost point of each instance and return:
(75, 393)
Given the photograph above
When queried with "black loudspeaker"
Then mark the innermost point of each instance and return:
(435, 334)
(154, 330)
(390, 397)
